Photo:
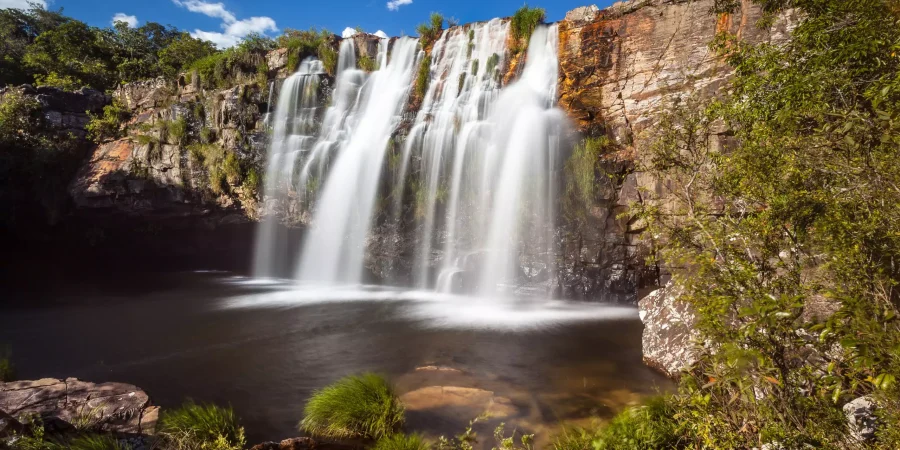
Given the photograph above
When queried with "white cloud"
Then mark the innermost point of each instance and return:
(233, 30)
(348, 32)
(206, 8)
(252, 25)
(381, 34)
(132, 21)
(394, 5)
(20, 4)
(221, 40)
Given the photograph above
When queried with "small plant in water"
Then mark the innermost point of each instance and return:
(362, 406)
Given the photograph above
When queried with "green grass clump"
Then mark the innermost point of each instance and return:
(365, 62)
(523, 23)
(650, 426)
(363, 406)
(201, 427)
(96, 442)
(423, 77)
(402, 442)
(430, 31)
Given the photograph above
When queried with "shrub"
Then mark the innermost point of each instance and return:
(423, 77)
(329, 57)
(365, 62)
(177, 129)
(430, 31)
(108, 125)
(201, 427)
(252, 181)
(523, 23)
(363, 406)
(402, 442)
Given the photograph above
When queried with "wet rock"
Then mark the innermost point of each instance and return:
(458, 403)
(71, 403)
(861, 419)
(669, 333)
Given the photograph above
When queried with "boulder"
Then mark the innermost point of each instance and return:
(72, 403)
(669, 331)
(861, 419)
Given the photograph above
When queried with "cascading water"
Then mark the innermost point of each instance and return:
(333, 250)
(292, 134)
(482, 163)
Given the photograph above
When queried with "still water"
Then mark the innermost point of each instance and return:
(264, 347)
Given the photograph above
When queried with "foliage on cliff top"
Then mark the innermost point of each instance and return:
(523, 23)
(797, 211)
(430, 31)
(48, 48)
(302, 44)
(218, 69)
(201, 427)
(363, 406)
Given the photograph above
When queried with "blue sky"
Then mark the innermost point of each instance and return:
(224, 21)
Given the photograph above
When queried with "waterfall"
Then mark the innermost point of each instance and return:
(478, 167)
(292, 134)
(333, 250)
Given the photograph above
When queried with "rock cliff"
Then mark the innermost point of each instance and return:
(620, 68)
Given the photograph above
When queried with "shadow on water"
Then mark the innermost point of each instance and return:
(212, 337)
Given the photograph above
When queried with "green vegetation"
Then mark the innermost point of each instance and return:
(302, 44)
(523, 23)
(329, 57)
(109, 125)
(491, 67)
(363, 406)
(218, 69)
(177, 129)
(7, 370)
(582, 169)
(430, 31)
(252, 182)
(474, 70)
(219, 165)
(650, 426)
(423, 77)
(48, 48)
(798, 208)
(92, 441)
(36, 164)
(201, 427)
(365, 62)
(400, 441)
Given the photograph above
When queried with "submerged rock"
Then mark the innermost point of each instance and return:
(71, 403)
(669, 331)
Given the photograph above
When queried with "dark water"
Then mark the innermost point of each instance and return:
(263, 349)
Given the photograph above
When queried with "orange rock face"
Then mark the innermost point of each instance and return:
(619, 70)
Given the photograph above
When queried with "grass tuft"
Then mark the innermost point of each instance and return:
(523, 23)
(402, 442)
(201, 427)
(96, 442)
(363, 406)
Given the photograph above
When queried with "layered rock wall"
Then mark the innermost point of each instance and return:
(620, 69)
